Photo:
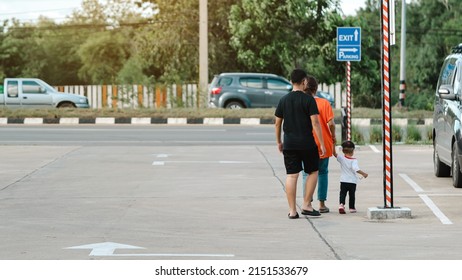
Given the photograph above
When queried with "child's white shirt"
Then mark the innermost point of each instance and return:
(349, 168)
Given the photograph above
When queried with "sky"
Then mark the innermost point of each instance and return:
(29, 10)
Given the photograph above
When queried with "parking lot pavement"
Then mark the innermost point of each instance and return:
(211, 202)
(425, 236)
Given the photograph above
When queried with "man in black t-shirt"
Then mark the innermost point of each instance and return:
(297, 114)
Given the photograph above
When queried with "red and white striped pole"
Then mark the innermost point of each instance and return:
(386, 81)
(348, 89)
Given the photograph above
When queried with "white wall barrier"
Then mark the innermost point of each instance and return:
(335, 91)
(156, 96)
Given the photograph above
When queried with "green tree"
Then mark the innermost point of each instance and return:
(366, 85)
(59, 44)
(103, 55)
(91, 13)
(275, 37)
(322, 62)
(433, 28)
(222, 57)
(169, 43)
(19, 50)
(132, 72)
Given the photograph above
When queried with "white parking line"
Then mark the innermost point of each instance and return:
(223, 142)
(373, 148)
(259, 133)
(413, 184)
(435, 210)
(162, 156)
(438, 213)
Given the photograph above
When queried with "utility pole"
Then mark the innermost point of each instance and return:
(203, 55)
(402, 75)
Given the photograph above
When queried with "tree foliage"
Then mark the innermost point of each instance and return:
(103, 56)
(432, 30)
(222, 57)
(274, 36)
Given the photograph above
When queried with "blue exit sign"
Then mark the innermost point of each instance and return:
(348, 43)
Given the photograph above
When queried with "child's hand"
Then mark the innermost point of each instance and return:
(362, 174)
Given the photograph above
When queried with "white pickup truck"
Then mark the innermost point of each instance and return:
(35, 93)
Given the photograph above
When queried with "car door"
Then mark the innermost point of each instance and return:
(275, 89)
(34, 95)
(254, 91)
(12, 96)
(456, 109)
(446, 122)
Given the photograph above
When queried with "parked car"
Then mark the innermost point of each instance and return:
(250, 90)
(247, 90)
(35, 93)
(447, 133)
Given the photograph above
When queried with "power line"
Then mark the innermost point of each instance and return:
(61, 26)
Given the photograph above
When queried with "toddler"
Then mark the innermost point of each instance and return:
(349, 176)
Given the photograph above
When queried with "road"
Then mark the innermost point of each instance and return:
(204, 192)
(129, 135)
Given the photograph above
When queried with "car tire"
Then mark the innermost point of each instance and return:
(456, 175)
(440, 169)
(234, 105)
(66, 105)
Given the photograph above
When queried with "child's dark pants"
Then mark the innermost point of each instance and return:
(350, 189)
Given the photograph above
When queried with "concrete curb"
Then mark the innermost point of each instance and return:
(136, 121)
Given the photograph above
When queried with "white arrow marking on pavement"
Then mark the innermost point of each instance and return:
(349, 50)
(106, 249)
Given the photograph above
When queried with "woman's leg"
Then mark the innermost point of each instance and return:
(323, 181)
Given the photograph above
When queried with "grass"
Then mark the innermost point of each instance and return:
(369, 113)
(188, 113)
(138, 113)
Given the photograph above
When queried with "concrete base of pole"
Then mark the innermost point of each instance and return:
(380, 213)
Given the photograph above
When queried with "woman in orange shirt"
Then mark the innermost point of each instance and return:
(326, 120)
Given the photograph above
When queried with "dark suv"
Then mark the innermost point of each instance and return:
(447, 133)
(247, 90)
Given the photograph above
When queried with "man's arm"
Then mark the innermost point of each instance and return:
(278, 125)
(318, 131)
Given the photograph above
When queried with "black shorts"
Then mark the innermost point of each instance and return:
(298, 160)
